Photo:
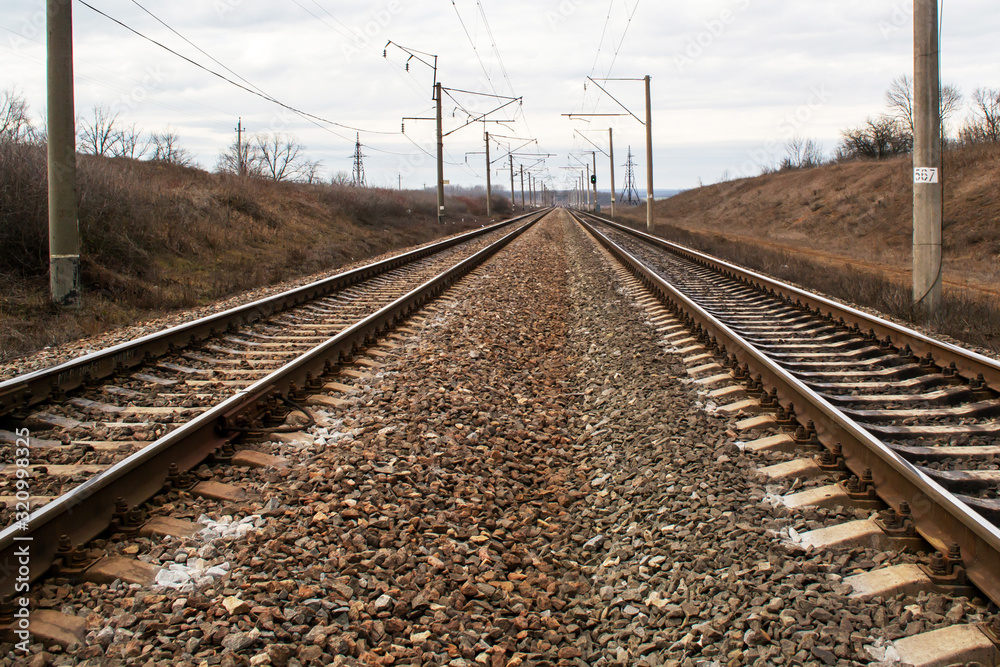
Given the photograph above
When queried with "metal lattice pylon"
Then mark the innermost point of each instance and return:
(630, 194)
(358, 178)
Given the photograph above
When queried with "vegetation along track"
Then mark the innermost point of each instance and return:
(912, 421)
(107, 430)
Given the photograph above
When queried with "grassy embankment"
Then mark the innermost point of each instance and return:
(157, 238)
(845, 230)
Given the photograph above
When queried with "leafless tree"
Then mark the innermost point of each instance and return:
(100, 135)
(341, 178)
(240, 158)
(801, 154)
(280, 156)
(310, 172)
(166, 147)
(984, 125)
(15, 122)
(130, 143)
(878, 138)
(899, 98)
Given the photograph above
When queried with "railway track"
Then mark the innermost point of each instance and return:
(521, 474)
(911, 422)
(104, 433)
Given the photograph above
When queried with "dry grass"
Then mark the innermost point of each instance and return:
(845, 230)
(158, 237)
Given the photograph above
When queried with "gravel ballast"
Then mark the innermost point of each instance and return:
(528, 480)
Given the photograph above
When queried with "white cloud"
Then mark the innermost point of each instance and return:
(726, 74)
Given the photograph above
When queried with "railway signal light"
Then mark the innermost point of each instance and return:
(593, 179)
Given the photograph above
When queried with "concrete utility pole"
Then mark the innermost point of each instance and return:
(64, 226)
(649, 159)
(928, 206)
(586, 186)
(241, 165)
(489, 189)
(597, 204)
(522, 187)
(440, 155)
(512, 202)
(611, 150)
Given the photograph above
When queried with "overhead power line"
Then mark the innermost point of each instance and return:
(234, 83)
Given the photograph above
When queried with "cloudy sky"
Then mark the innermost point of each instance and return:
(732, 80)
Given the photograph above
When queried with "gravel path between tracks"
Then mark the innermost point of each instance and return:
(528, 483)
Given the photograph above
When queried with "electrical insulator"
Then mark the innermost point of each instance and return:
(385, 53)
(402, 128)
(407, 66)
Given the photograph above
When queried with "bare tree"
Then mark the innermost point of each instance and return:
(801, 154)
(984, 125)
(899, 98)
(166, 147)
(341, 178)
(100, 134)
(240, 158)
(130, 143)
(15, 122)
(310, 171)
(877, 139)
(280, 156)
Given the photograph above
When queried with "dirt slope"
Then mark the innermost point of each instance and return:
(859, 211)
(158, 238)
(846, 230)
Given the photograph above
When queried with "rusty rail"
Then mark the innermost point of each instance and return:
(938, 516)
(23, 392)
(967, 362)
(87, 510)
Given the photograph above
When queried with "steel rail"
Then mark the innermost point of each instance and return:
(966, 361)
(87, 510)
(939, 517)
(23, 392)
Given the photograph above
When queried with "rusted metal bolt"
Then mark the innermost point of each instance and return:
(867, 481)
(955, 553)
(938, 564)
(853, 485)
